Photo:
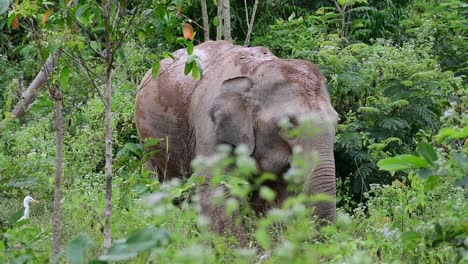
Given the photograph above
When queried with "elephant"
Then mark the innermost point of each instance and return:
(242, 95)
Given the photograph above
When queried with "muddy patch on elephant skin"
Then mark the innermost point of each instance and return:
(306, 75)
(250, 59)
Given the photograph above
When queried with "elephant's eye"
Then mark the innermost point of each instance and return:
(293, 121)
(287, 123)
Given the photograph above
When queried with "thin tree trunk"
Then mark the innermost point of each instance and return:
(251, 23)
(57, 96)
(35, 87)
(247, 20)
(227, 20)
(108, 129)
(219, 28)
(206, 22)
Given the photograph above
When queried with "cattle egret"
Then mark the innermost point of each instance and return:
(26, 202)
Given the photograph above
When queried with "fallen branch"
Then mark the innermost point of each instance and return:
(35, 87)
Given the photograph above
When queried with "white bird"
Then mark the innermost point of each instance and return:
(26, 202)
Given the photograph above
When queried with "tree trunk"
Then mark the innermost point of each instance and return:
(250, 23)
(108, 129)
(206, 22)
(227, 20)
(219, 28)
(57, 96)
(35, 86)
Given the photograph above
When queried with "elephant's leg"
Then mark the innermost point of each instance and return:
(220, 222)
(151, 165)
(279, 186)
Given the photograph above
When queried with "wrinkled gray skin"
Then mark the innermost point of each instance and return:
(240, 99)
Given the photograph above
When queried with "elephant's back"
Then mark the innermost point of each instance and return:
(165, 104)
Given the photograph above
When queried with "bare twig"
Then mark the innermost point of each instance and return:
(191, 20)
(88, 73)
(126, 32)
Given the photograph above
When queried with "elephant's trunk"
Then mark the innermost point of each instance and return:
(321, 179)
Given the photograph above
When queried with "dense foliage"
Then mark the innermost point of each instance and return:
(396, 73)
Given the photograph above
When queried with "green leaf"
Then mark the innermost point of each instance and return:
(136, 149)
(432, 182)
(189, 47)
(188, 68)
(195, 71)
(11, 17)
(461, 161)
(262, 237)
(2, 252)
(452, 133)
(426, 173)
(148, 238)
(368, 110)
(26, 50)
(267, 194)
(64, 77)
(155, 69)
(411, 239)
(402, 162)
(4, 4)
(215, 21)
(77, 249)
(168, 55)
(230, 206)
(150, 142)
(427, 152)
(139, 241)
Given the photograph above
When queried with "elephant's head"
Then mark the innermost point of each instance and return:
(247, 110)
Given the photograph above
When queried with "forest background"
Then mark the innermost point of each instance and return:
(396, 72)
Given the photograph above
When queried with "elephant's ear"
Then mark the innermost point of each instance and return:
(232, 115)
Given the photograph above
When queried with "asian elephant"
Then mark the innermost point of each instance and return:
(242, 95)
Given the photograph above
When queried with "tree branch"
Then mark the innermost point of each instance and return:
(35, 87)
(251, 23)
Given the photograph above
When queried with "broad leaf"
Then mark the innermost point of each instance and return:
(77, 249)
(190, 48)
(139, 241)
(195, 71)
(4, 4)
(427, 152)
(461, 161)
(402, 162)
(188, 68)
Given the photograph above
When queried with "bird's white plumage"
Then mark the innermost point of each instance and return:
(28, 199)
